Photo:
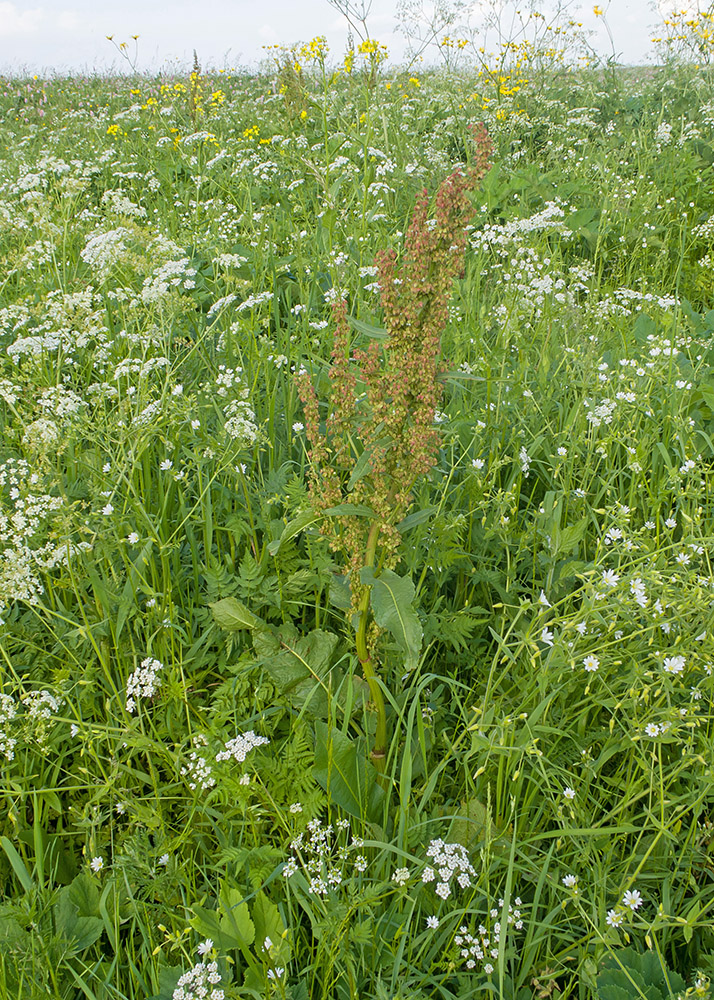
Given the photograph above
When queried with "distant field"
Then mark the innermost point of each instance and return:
(356, 582)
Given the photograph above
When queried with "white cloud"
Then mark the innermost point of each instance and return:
(69, 20)
(19, 22)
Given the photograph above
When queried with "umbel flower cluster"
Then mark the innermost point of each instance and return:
(383, 400)
(450, 861)
(326, 855)
(239, 747)
(482, 946)
(144, 682)
(200, 983)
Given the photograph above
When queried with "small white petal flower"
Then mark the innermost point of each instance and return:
(674, 664)
(632, 898)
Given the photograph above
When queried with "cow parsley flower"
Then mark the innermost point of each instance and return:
(199, 983)
(450, 861)
(240, 747)
(198, 772)
(144, 682)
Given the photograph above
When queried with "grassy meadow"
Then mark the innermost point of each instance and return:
(356, 582)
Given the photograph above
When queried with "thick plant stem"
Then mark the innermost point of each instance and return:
(379, 750)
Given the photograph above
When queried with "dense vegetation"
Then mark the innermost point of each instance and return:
(319, 680)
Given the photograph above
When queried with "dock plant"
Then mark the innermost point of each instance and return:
(379, 434)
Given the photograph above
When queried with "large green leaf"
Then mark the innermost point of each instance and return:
(235, 916)
(340, 593)
(269, 924)
(416, 517)
(369, 329)
(229, 927)
(300, 665)
(231, 614)
(392, 599)
(169, 976)
(356, 509)
(627, 974)
(12, 933)
(293, 528)
(567, 539)
(343, 770)
(76, 913)
(207, 923)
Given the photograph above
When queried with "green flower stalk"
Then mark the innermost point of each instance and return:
(379, 435)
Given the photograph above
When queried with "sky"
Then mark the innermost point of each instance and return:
(46, 36)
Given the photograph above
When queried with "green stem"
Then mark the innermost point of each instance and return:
(379, 750)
